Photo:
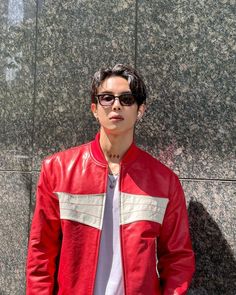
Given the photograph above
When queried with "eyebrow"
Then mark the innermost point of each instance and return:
(110, 92)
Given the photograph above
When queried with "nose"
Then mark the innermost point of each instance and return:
(116, 104)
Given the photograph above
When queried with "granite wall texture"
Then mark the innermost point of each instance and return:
(186, 53)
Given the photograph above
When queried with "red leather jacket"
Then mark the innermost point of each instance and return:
(157, 256)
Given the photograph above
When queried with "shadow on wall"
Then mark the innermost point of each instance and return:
(215, 264)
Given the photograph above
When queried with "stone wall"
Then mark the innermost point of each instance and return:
(186, 52)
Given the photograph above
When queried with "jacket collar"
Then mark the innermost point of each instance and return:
(98, 155)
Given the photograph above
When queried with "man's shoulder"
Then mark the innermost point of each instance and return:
(67, 155)
(151, 162)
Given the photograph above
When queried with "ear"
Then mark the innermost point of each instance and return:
(93, 108)
(141, 111)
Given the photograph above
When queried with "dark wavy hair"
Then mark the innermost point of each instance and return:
(135, 81)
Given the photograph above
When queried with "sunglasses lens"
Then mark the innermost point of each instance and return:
(127, 99)
(106, 99)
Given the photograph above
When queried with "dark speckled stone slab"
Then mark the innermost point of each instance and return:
(14, 218)
(75, 39)
(212, 217)
(17, 40)
(186, 52)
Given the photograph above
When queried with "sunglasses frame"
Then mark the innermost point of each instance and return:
(98, 96)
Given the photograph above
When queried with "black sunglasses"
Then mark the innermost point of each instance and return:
(107, 99)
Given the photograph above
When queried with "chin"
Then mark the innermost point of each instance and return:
(119, 131)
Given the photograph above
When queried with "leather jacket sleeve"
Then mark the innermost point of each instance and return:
(44, 242)
(176, 261)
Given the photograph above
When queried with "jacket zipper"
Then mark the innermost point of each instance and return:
(100, 233)
(121, 236)
(156, 259)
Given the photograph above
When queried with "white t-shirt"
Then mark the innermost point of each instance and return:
(109, 277)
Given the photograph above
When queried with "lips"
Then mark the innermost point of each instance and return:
(116, 117)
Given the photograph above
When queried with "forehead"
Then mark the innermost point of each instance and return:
(115, 85)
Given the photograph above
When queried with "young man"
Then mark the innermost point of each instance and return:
(110, 219)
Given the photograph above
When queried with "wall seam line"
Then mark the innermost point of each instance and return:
(181, 178)
(33, 111)
(136, 34)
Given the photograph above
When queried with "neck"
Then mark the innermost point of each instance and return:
(114, 146)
